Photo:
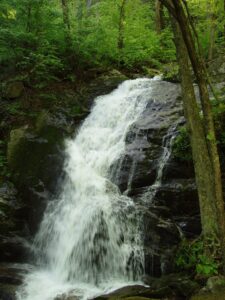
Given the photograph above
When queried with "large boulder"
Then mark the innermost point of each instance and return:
(11, 277)
(173, 286)
(35, 157)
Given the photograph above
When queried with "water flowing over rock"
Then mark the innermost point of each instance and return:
(111, 223)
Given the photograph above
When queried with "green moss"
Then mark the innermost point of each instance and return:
(28, 152)
(210, 296)
(14, 144)
(138, 298)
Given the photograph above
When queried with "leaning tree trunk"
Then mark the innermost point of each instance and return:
(202, 163)
(175, 7)
(121, 25)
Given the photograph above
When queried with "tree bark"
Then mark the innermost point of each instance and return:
(120, 42)
(67, 25)
(175, 7)
(224, 18)
(159, 16)
(66, 19)
(29, 23)
(202, 164)
(212, 20)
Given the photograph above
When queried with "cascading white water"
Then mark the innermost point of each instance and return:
(88, 241)
(164, 158)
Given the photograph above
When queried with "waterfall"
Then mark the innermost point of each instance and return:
(89, 239)
(162, 161)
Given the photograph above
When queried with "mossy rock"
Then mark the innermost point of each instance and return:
(35, 157)
(210, 296)
(138, 298)
(13, 90)
(29, 149)
(216, 283)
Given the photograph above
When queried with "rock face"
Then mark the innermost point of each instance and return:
(163, 188)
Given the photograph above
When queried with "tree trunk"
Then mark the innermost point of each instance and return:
(159, 16)
(224, 18)
(29, 23)
(202, 163)
(67, 30)
(176, 9)
(66, 19)
(212, 20)
(120, 42)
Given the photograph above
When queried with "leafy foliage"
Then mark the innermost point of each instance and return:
(181, 146)
(208, 18)
(191, 257)
(218, 107)
(33, 40)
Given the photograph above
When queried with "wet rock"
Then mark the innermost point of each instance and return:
(7, 295)
(103, 85)
(180, 196)
(12, 249)
(176, 169)
(216, 283)
(175, 192)
(173, 286)
(181, 285)
(138, 170)
(136, 291)
(66, 297)
(160, 239)
(144, 142)
(11, 276)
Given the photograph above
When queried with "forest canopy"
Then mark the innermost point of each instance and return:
(47, 38)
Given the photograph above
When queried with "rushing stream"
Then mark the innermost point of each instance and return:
(89, 240)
